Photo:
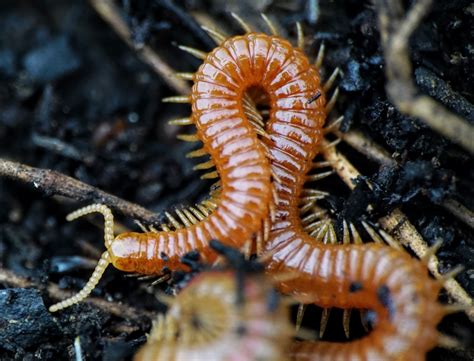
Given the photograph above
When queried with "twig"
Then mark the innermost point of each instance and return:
(397, 223)
(109, 13)
(375, 152)
(395, 30)
(458, 210)
(114, 308)
(51, 182)
(366, 146)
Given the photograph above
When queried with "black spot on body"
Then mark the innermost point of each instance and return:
(355, 287)
(241, 330)
(385, 298)
(164, 256)
(314, 98)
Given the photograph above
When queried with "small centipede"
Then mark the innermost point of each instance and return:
(222, 315)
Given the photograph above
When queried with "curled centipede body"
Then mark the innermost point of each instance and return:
(257, 63)
(217, 318)
(394, 286)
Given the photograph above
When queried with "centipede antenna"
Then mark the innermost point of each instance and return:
(194, 52)
(201, 152)
(269, 23)
(90, 285)
(188, 137)
(346, 320)
(324, 321)
(329, 83)
(316, 177)
(332, 126)
(180, 99)
(103, 261)
(300, 35)
(300, 315)
(173, 221)
(217, 36)
(245, 26)
(185, 76)
(346, 239)
(430, 252)
(320, 57)
(332, 100)
(106, 213)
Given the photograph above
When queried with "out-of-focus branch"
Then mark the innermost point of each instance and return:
(395, 31)
(54, 183)
(110, 14)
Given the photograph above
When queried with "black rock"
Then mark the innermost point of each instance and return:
(24, 320)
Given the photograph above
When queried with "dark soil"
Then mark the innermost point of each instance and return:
(76, 99)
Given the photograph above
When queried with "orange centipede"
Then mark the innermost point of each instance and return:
(222, 315)
(393, 285)
(252, 62)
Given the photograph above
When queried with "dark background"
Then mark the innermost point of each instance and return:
(76, 99)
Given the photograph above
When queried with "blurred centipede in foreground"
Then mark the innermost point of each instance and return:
(391, 284)
(222, 314)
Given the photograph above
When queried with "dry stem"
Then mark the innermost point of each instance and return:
(395, 31)
(399, 226)
(52, 182)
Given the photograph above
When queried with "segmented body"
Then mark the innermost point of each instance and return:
(241, 63)
(216, 319)
(369, 276)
